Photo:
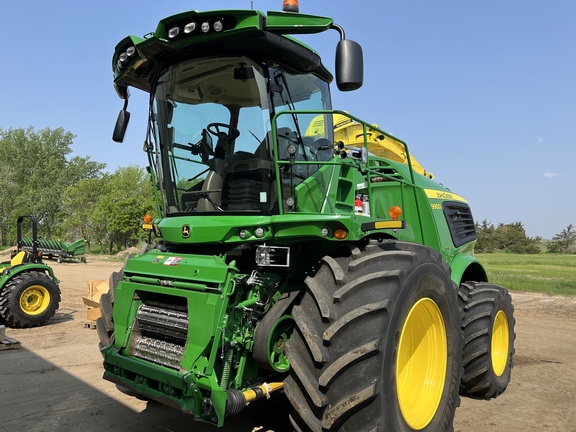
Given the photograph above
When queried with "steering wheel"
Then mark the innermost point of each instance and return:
(214, 129)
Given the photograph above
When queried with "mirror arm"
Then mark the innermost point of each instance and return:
(340, 30)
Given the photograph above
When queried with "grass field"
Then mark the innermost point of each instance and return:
(553, 274)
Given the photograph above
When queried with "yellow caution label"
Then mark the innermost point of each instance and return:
(444, 195)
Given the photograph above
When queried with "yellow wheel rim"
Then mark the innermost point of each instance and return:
(34, 300)
(421, 363)
(500, 343)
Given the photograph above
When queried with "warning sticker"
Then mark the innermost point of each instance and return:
(173, 261)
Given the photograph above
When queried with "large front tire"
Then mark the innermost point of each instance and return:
(105, 323)
(29, 299)
(488, 329)
(377, 344)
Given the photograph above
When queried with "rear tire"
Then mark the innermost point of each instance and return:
(488, 329)
(353, 356)
(29, 299)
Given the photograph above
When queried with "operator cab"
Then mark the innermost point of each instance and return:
(213, 122)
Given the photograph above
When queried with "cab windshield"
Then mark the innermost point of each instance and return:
(213, 148)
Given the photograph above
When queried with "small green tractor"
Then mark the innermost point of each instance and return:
(285, 260)
(29, 291)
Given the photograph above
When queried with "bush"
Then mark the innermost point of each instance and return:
(564, 241)
(505, 238)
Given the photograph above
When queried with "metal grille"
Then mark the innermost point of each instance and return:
(460, 222)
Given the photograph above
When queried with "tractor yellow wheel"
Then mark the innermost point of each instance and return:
(488, 330)
(500, 343)
(34, 300)
(421, 363)
(29, 299)
(377, 343)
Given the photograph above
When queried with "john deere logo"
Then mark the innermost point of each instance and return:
(185, 231)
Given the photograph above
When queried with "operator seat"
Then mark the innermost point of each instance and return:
(247, 182)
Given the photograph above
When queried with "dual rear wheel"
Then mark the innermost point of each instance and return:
(385, 341)
(377, 343)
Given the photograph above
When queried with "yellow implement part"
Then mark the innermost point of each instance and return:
(351, 134)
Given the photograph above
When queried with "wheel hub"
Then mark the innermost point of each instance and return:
(421, 362)
(34, 300)
(499, 345)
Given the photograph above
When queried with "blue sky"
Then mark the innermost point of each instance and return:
(483, 92)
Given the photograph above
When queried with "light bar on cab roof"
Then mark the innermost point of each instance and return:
(126, 52)
(200, 25)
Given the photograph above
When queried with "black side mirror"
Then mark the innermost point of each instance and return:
(349, 65)
(121, 125)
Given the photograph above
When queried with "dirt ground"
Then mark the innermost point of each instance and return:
(53, 382)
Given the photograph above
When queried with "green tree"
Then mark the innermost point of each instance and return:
(564, 241)
(510, 237)
(126, 197)
(79, 202)
(485, 234)
(36, 169)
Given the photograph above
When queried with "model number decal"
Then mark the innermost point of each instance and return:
(436, 206)
(443, 195)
